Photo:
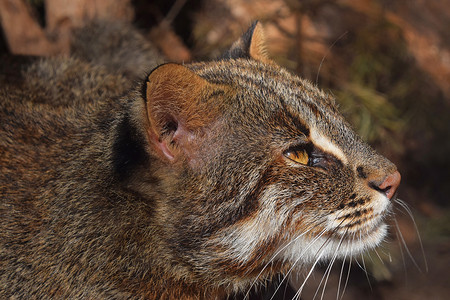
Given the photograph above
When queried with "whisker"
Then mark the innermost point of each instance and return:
(322, 248)
(348, 276)
(342, 268)
(285, 287)
(365, 271)
(330, 266)
(340, 274)
(409, 212)
(359, 265)
(406, 246)
(405, 206)
(387, 253)
(299, 291)
(329, 272)
(304, 251)
(271, 261)
(379, 257)
(400, 247)
(369, 255)
(300, 256)
(326, 54)
(323, 277)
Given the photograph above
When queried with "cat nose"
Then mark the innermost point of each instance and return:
(390, 184)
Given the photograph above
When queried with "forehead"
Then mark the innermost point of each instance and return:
(268, 91)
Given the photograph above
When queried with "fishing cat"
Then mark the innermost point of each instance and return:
(200, 182)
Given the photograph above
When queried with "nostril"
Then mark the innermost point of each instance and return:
(390, 184)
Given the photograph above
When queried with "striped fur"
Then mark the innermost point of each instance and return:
(181, 188)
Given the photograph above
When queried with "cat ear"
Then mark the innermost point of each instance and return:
(250, 45)
(176, 110)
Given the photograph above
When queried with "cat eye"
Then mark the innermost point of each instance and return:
(298, 155)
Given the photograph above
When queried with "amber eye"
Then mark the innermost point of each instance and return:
(298, 155)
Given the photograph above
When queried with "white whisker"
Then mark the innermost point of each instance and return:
(343, 264)
(400, 235)
(348, 276)
(322, 248)
(365, 271)
(329, 272)
(300, 256)
(330, 265)
(409, 212)
(299, 291)
(326, 54)
(340, 277)
(271, 261)
(400, 247)
(379, 257)
(340, 274)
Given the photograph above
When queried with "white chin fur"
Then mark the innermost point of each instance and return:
(308, 250)
(358, 239)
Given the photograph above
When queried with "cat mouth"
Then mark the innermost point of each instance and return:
(336, 246)
(363, 233)
(365, 224)
(358, 230)
(350, 238)
(361, 220)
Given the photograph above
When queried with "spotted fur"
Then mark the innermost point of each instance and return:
(180, 188)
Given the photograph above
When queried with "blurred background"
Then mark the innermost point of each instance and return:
(386, 61)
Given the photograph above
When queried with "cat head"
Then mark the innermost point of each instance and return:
(258, 168)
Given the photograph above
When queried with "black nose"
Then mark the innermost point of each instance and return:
(390, 184)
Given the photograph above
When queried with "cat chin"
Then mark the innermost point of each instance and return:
(306, 250)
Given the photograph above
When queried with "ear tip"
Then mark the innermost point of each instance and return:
(257, 49)
(256, 27)
(164, 67)
(169, 72)
(257, 24)
(254, 24)
(250, 45)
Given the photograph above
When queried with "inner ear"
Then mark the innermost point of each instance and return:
(174, 137)
(169, 127)
(165, 141)
(168, 137)
(177, 110)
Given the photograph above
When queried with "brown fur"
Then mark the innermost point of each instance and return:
(178, 188)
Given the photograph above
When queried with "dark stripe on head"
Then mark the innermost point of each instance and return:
(294, 119)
